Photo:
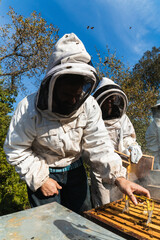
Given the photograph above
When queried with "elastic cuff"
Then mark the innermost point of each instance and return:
(122, 174)
(35, 187)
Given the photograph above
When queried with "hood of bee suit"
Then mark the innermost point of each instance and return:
(156, 112)
(106, 89)
(157, 104)
(69, 57)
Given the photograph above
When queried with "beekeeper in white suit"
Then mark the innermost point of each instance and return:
(113, 102)
(50, 129)
(153, 135)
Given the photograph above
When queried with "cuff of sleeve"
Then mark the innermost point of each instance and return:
(122, 174)
(39, 178)
(35, 187)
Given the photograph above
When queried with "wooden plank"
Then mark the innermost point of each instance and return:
(143, 167)
(139, 170)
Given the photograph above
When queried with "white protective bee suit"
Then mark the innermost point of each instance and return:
(39, 138)
(153, 135)
(122, 135)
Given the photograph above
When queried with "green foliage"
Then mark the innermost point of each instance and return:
(148, 69)
(25, 46)
(13, 191)
(13, 195)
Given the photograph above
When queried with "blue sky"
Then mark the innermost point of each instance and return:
(130, 27)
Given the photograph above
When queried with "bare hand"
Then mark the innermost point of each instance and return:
(50, 187)
(128, 188)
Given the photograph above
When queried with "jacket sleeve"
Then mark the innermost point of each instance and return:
(152, 139)
(18, 147)
(129, 135)
(127, 140)
(104, 162)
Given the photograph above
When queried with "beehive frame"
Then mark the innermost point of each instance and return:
(132, 224)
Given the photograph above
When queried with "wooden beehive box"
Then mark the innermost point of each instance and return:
(132, 224)
(141, 169)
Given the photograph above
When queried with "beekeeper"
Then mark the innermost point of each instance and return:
(50, 129)
(113, 103)
(153, 135)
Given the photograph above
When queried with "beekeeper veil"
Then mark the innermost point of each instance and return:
(111, 98)
(156, 112)
(69, 60)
